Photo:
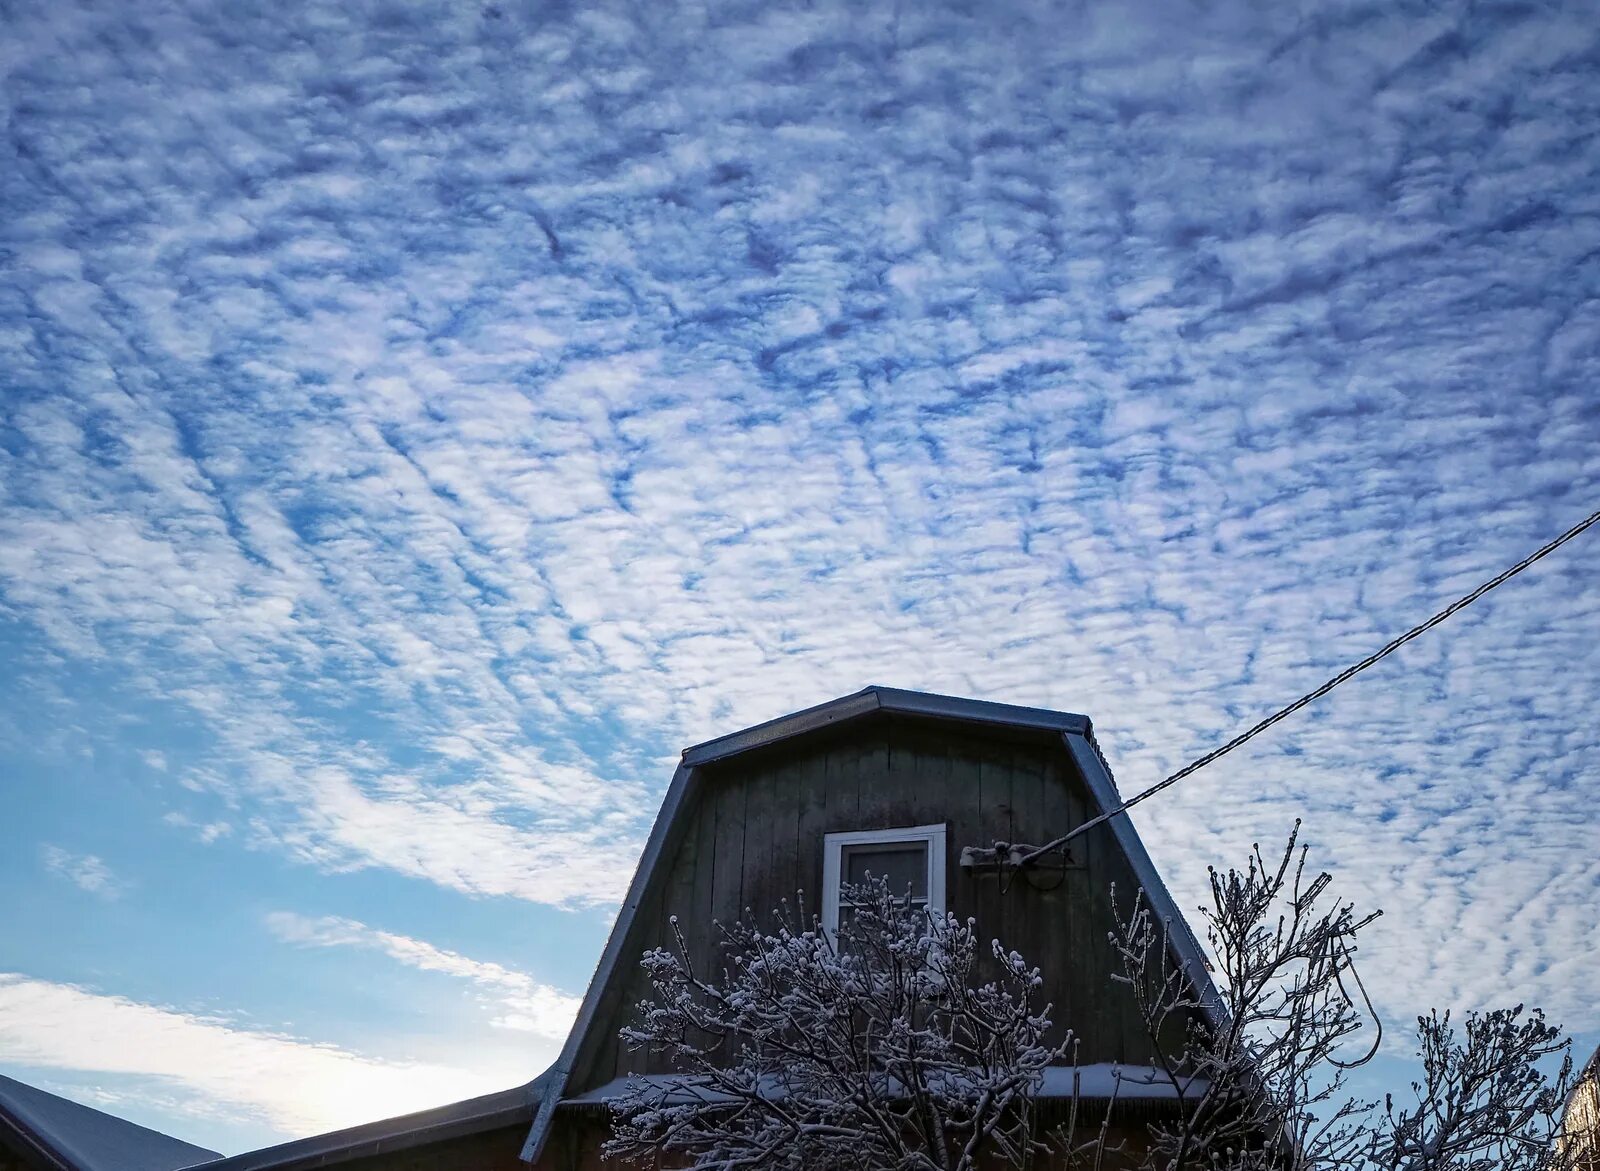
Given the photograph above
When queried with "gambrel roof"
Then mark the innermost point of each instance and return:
(1077, 738)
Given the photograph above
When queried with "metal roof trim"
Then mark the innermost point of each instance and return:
(1181, 939)
(551, 1093)
(886, 699)
(835, 711)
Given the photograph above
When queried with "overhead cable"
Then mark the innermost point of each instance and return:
(1312, 696)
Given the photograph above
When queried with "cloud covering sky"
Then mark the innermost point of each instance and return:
(419, 421)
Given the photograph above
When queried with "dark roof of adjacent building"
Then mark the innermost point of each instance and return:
(473, 1116)
(68, 1136)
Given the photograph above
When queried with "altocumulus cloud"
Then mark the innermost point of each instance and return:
(456, 408)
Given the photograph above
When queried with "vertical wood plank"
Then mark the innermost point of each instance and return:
(843, 784)
(1112, 1008)
(1040, 904)
(873, 797)
(811, 817)
(727, 883)
(1067, 903)
(757, 886)
(696, 922)
(903, 788)
(782, 855)
(928, 768)
(1095, 1011)
(678, 897)
(991, 772)
(696, 925)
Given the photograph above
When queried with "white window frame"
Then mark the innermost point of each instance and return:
(833, 858)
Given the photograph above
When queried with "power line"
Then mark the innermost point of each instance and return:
(1311, 696)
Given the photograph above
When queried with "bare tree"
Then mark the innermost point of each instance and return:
(1483, 1103)
(873, 1050)
(1260, 1076)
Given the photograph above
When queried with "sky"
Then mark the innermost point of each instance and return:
(419, 421)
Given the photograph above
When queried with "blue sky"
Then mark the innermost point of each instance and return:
(418, 421)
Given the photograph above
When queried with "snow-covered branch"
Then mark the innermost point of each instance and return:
(877, 1049)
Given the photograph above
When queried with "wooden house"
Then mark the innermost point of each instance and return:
(1579, 1140)
(794, 804)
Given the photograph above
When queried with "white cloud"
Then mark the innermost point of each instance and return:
(518, 1000)
(293, 1085)
(86, 871)
(453, 838)
(208, 832)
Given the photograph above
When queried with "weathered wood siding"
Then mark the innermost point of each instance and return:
(754, 836)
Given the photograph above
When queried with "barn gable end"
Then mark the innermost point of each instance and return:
(743, 824)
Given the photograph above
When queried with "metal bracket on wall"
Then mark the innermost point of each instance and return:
(1008, 856)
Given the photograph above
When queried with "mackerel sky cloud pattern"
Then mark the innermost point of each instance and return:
(421, 420)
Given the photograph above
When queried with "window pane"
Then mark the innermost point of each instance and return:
(902, 863)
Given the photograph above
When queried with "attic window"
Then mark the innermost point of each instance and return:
(911, 859)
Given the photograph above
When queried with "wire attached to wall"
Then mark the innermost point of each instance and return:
(1312, 696)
